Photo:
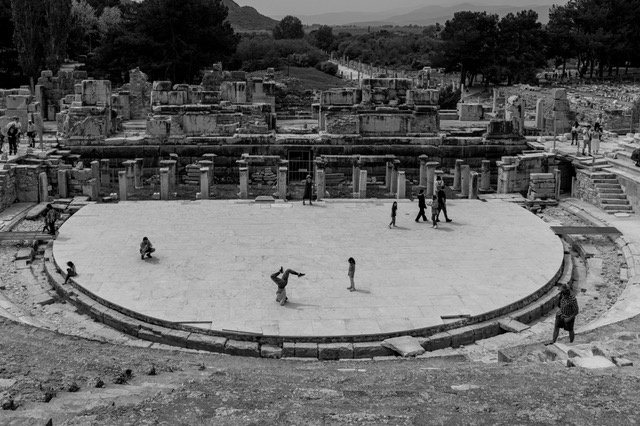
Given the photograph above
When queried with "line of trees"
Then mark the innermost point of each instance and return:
(175, 39)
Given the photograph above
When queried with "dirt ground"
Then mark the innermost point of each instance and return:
(77, 372)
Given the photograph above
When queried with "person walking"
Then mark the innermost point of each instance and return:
(442, 205)
(13, 133)
(566, 315)
(308, 190)
(422, 204)
(574, 133)
(352, 273)
(281, 293)
(51, 217)
(31, 134)
(394, 212)
(587, 136)
(434, 211)
(146, 248)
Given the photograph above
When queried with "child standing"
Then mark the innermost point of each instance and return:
(434, 211)
(394, 209)
(351, 273)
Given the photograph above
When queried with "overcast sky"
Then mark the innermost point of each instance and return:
(306, 7)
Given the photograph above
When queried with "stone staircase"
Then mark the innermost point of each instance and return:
(610, 194)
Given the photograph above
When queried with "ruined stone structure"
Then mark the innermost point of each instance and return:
(56, 93)
(515, 173)
(560, 119)
(89, 117)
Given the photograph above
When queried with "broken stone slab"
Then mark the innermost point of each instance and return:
(7, 383)
(578, 353)
(25, 253)
(604, 352)
(592, 362)
(406, 346)
(464, 387)
(554, 354)
(513, 326)
(622, 362)
(43, 299)
(36, 212)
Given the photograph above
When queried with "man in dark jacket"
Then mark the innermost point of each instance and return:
(421, 205)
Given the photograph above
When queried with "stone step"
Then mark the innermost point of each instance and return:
(608, 185)
(617, 201)
(610, 190)
(628, 146)
(614, 180)
(616, 208)
(610, 196)
(625, 165)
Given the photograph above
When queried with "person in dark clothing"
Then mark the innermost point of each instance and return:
(442, 204)
(281, 293)
(394, 213)
(422, 204)
(146, 248)
(635, 156)
(308, 190)
(71, 271)
(566, 315)
(51, 217)
(13, 133)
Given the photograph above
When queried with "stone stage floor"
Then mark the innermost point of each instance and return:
(214, 258)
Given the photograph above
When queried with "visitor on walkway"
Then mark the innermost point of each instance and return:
(71, 271)
(635, 156)
(146, 248)
(394, 212)
(442, 205)
(438, 185)
(308, 190)
(597, 137)
(51, 217)
(574, 133)
(434, 211)
(566, 315)
(422, 204)
(31, 134)
(352, 273)
(587, 136)
(281, 293)
(13, 133)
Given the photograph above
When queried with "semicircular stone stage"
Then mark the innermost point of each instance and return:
(214, 259)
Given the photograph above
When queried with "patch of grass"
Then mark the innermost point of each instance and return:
(311, 78)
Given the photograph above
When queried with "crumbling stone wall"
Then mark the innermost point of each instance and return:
(8, 194)
(514, 172)
(54, 89)
(139, 94)
(27, 183)
(585, 189)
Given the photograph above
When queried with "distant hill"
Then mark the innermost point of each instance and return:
(423, 16)
(246, 18)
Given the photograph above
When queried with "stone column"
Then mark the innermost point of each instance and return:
(165, 183)
(138, 169)
(558, 176)
(95, 172)
(362, 186)
(465, 172)
(540, 114)
(456, 175)
(105, 175)
(485, 179)
(172, 166)
(321, 183)
(521, 116)
(282, 182)
(44, 187)
(130, 173)
(388, 175)
(63, 183)
(212, 158)
(423, 170)
(394, 180)
(209, 166)
(494, 108)
(402, 186)
(123, 184)
(473, 186)
(90, 189)
(431, 178)
(204, 183)
(244, 182)
(355, 176)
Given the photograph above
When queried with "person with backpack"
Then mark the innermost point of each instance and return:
(13, 133)
(31, 134)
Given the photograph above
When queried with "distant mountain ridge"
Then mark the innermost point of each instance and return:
(427, 15)
(247, 18)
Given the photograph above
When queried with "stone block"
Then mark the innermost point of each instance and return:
(151, 333)
(576, 352)
(17, 102)
(121, 322)
(559, 93)
(370, 350)
(592, 363)
(406, 346)
(270, 351)
(204, 342)
(176, 338)
(622, 362)
(513, 326)
(288, 349)
(159, 97)
(437, 341)
(306, 350)
(242, 348)
(25, 253)
(462, 336)
(162, 86)
(210, 97)
(176, 97)
(335, 351)
(96, 92)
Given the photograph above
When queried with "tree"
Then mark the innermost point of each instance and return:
(9, 67)
(323, 38)
(469, 42)
(55, 31)
(84, 27)
(168, 39)
(27, 22)
(111, 17)
(289, 28)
